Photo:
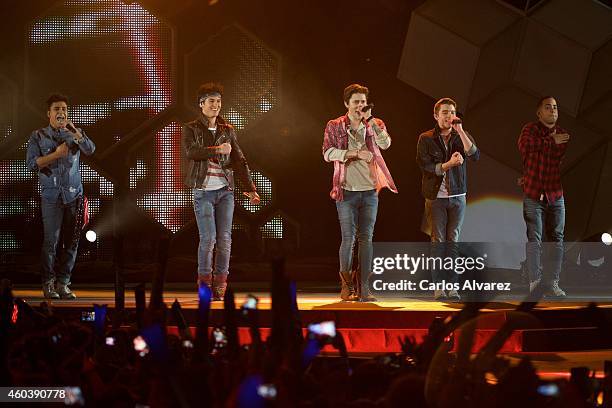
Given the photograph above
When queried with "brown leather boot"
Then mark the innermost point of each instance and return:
(364, 294)
(348, 291)
(219, 285)
(355, 278)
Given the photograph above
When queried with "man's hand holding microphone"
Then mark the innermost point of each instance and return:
(226, 149)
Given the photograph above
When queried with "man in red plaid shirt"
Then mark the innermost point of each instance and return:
(542, 145)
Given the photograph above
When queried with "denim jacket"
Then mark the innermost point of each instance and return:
(431, 153)
(61, 178)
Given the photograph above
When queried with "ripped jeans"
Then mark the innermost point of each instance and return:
(214, 211)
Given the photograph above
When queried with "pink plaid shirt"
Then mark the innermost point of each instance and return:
(336, 135)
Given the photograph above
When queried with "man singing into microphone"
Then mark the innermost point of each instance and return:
(213, 155)
(542, 145)
(54, 153)
(353, 142)
(441, 154)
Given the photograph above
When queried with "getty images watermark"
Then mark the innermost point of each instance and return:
(486, 271)
(411, 265)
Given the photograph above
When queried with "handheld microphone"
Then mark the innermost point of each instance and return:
(71, 127)
(367, 107)
(456, 121)
(222, 157)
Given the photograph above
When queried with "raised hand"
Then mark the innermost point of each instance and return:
(224, 148)
(561, 137)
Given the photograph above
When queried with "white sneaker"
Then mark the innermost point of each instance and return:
(454, 295)
(439, 295)
(533, 285)
(556, 290)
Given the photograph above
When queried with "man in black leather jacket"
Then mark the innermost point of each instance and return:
(213, 155)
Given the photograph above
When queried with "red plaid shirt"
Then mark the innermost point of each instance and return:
(541, 161)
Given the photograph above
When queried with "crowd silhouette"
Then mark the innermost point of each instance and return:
(111, 362)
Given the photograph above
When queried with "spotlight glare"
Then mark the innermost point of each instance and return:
(606, 238)
(91, 235)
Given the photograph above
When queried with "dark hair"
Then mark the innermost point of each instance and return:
(209, 88)
(444, 101)
(353, 89)
(542, 99)
(56, 98)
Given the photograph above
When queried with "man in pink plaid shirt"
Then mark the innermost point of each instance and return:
(353, 142)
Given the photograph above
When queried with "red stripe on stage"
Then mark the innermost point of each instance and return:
(384, 340)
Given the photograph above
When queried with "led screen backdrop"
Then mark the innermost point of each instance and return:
(247, 68)
(113, 60)
(8, 108)
(250, 74)
(20, 205)
(116, 62)
(156, 182)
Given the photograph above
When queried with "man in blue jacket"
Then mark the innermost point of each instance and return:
(441, 154)
(54, 153)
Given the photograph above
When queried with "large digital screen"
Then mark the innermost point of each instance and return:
(115, 60)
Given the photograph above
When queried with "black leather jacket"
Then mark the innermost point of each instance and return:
(197, 144)
(430, 156)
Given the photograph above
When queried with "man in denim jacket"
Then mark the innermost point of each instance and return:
(54, 153)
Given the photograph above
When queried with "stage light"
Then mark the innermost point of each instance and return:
(606, 238)
(91, 236)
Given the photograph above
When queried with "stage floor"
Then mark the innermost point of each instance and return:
(307, 300)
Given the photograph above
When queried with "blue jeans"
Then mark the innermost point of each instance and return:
(214, 211)
(357, 215)
(58, 222)
(446, 218)
(545, 222)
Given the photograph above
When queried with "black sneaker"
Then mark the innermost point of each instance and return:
(65, 292)
(49, 291)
